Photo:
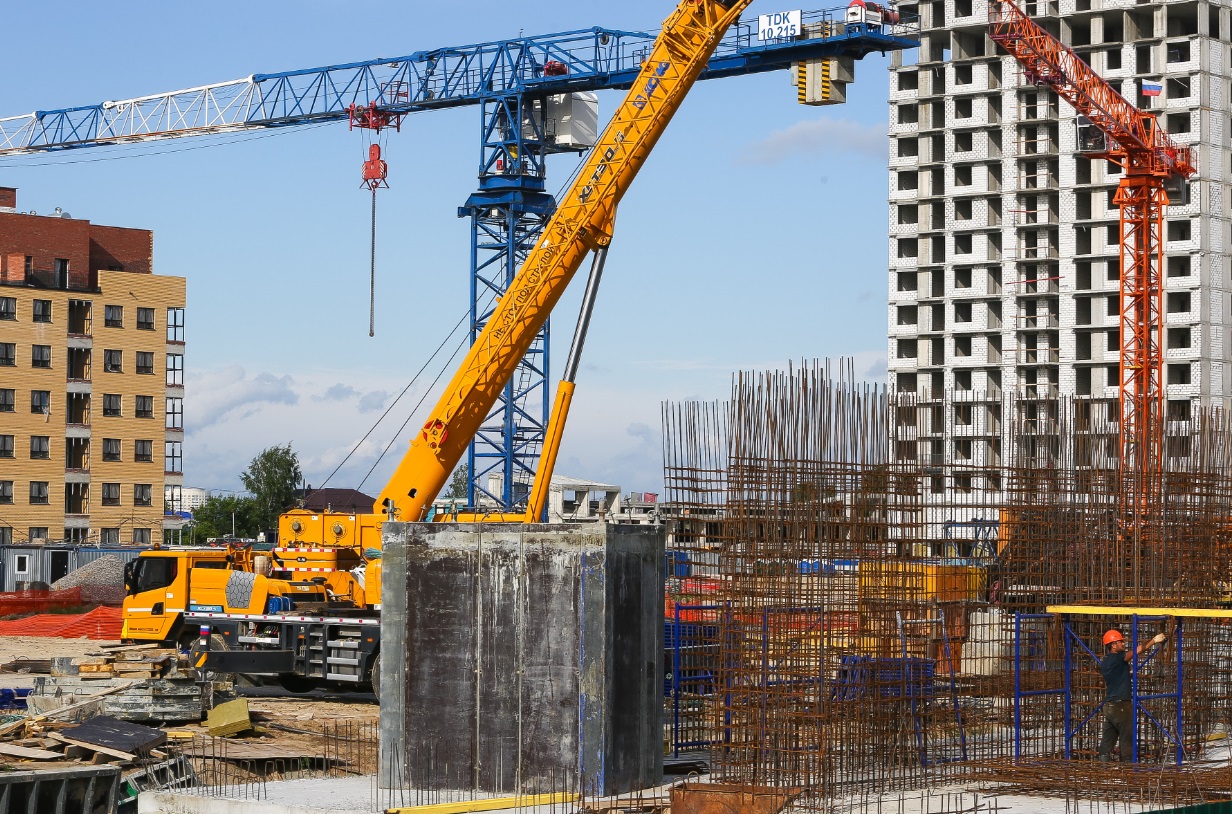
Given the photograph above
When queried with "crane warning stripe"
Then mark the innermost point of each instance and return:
(305, 550)
(294, 568)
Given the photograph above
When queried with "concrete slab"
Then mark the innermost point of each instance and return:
(347, 795)
(526, 657)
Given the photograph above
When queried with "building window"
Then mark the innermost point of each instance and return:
(175, 370)
(175, 324)
(111, 449)
(145, 319)
(174, 457)
(142, 494)
(145, 362)
(111, 494)
(113, 316)
(40, 447)
(175, 413)
(112, 405)
(40, 356)
(141, 536)
(143, 451)
(8, 308)
(40, 401)
(38, 492)
(6, 492)
(42, 310)
(6, 446)
(109, 536)
(8, 354)
(1179, 373)
(145, 407)
(21, 564)
(7, 400)
(113, 361)
(6, 536)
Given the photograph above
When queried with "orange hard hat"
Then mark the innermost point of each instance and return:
(1113, 636)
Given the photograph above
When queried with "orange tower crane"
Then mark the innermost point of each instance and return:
(1150, 161)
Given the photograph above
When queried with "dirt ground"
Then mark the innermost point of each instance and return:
(13, 648)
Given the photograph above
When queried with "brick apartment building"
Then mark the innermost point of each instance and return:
(91, 382)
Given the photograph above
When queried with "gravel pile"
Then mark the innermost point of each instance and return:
(105, 572)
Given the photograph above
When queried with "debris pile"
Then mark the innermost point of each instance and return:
(135, 683)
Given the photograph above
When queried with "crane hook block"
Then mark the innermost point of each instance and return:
(375, 169)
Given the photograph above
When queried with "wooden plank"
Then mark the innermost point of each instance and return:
(1117, 610)
(114, 648)
(93, 747)
(12, 750)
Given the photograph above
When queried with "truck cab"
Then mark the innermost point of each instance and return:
(165, 585)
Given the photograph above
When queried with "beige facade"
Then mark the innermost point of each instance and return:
(91, 409)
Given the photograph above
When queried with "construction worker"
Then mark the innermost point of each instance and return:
(1118, 711)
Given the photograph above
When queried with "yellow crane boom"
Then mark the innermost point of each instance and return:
(582, 223)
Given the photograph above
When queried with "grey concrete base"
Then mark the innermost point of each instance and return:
(526, 657)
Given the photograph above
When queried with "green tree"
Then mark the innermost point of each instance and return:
(213, 517)
(271, 478)
(458, 482)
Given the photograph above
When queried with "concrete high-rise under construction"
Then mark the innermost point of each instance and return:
(1004, 242)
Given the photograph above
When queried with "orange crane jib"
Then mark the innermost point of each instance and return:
(1046, 60)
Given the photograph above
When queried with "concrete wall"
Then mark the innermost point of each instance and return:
(526, 657)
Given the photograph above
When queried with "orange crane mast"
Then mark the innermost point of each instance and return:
(1151, 162)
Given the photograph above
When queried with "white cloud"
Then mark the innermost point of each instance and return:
(217, 394)
(337, 392)
(828, 138)
(372, 401)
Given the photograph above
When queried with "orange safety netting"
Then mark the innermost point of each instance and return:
(16, 602)
(100, 623)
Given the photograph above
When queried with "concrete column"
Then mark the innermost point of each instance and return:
(522, 657)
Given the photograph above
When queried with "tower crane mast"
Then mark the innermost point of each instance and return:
(1151, 162)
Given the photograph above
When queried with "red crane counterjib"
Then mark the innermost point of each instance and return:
(1046, 61)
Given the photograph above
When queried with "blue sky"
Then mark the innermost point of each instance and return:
(754, 235)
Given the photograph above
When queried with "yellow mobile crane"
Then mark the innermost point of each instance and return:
(316, 620)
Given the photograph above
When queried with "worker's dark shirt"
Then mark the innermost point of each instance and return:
(1116, 676)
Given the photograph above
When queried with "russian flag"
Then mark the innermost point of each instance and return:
(1152, 88)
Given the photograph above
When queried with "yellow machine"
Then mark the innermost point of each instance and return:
(309, 613)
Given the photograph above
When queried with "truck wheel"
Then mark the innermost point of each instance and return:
(374, 675)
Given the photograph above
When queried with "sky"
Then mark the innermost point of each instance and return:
(754, 236)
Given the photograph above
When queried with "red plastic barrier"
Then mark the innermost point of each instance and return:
(100, 623)
(21, 602)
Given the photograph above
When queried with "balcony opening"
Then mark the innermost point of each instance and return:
(79, 317)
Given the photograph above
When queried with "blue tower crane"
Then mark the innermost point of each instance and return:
(510, 82)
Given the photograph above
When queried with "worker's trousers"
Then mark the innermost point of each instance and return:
(1118, 726)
